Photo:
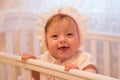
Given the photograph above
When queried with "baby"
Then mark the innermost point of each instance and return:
(63, 37)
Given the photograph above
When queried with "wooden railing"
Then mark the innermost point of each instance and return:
(14, 61)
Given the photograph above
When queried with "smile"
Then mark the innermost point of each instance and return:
(63, 48)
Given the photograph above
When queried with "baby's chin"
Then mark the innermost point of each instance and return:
(60, 57)
(64, 57)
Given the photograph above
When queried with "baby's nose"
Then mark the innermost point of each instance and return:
(62, 39)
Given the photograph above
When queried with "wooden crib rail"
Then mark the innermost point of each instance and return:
(45, 68)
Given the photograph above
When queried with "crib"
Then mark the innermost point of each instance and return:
(11, 67)
(104, 48)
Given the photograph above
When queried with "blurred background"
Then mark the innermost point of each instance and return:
(17, 29)
(103, 15)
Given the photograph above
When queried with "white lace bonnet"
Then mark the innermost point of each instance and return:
(70, 11)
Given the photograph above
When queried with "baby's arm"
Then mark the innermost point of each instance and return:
(89, 68)
(25, 57)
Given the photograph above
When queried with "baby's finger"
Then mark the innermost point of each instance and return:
(67, 67)
(24, 58)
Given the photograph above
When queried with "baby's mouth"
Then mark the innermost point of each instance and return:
(63, 48)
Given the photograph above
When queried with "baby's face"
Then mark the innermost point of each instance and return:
(62, 38)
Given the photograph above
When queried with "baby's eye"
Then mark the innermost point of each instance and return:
(69, 34)
(54, 36)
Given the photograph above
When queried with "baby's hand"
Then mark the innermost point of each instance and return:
(26, 56)
(68, 66)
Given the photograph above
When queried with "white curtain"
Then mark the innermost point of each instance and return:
(103, 15)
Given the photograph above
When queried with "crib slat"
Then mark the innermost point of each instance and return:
(43, 76)
(9, 42)
(36, 45)
(30, 41)
(118, 49)
(3, 75)
(23, 41)
(94, 48)
(13, 73)
(106, 50)
(2, 42)
(16, 42)
(28, 75)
